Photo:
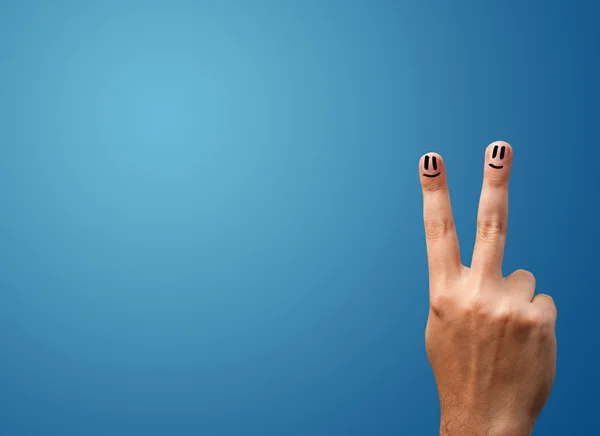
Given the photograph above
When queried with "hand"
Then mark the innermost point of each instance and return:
(491, 342)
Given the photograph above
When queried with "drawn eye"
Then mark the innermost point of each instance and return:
(502, 151)
(434, 165)
(433, 162)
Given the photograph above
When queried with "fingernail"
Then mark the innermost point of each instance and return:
(499, 154)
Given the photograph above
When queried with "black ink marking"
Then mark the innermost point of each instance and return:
(494, 166)
(426, 162)
(434, 160)
(432, 175)
(495, 151)
(502, 150)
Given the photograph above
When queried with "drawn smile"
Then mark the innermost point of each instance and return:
(494, 166)
(433, 164)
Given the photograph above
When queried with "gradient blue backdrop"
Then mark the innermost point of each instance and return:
(211, 218)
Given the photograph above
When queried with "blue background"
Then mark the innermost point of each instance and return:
(210, 213)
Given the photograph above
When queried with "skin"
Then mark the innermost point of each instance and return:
(490, 339)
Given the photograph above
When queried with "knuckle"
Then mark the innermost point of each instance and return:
(548, 298)
(526, 274)
(438, 228)
(497, 180)
(476, 307)
(533, 320)
(440, 305)
(490, 230)
(529, 274)
(434, 185)
(523, 277)
(504, 313)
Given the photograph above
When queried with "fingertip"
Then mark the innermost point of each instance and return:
(432, 171)
(499, 153)
(498, 162)
(431, 163)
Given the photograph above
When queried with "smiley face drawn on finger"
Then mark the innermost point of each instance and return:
(433, 164)
(499, 159)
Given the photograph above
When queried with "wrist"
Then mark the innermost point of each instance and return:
(470, 423)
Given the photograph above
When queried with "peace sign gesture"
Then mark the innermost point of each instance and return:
(490, 341)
